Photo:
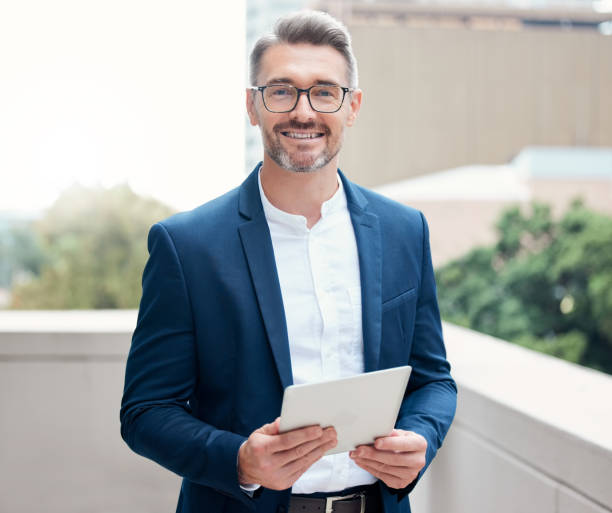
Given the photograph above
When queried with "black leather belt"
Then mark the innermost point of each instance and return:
(367, 501)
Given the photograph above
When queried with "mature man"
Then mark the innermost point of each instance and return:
(296, 276)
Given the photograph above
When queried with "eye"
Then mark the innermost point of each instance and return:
(326, 92)
(323, 92)
(279, 91)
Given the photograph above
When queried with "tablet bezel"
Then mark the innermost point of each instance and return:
(341, 402)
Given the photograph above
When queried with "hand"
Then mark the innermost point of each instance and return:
(276, 461)
(396, 459)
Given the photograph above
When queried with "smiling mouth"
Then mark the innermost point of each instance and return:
(302, 135)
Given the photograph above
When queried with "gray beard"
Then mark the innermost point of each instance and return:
(282, 158)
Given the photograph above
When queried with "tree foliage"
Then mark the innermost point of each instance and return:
(21, 254)
(545, 284)
(94, 246)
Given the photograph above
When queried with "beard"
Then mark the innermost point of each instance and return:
(296, 160)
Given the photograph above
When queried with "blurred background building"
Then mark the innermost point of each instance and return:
(452, 84)
(261, 15)
(463, 204)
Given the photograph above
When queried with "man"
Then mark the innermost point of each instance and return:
(296, 276)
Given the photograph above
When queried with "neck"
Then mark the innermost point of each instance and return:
(299, 193)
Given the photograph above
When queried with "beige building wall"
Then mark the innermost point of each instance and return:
(461, 222)
(458, 226)
(559, 193)
(440, 97)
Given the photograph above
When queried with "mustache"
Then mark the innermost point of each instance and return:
(297, 125)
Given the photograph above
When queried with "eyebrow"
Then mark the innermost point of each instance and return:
(284, 80)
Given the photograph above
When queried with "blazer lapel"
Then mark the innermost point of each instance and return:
(257, 245)
(367, 234)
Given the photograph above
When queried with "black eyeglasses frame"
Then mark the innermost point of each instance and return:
(261, 89)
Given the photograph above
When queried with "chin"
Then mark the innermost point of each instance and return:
(297, 165)
(308, 166)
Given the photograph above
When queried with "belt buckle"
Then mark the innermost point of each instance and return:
(329, 501)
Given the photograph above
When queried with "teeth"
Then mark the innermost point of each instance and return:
(298, 135)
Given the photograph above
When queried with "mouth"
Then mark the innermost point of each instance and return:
(292, 134)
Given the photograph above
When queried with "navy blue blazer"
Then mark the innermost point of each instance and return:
(210, 359)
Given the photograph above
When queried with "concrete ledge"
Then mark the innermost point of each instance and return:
(61, 379)
(67, 321)
(532, 433)
(65, 334)
(553, 416)
(548, 389)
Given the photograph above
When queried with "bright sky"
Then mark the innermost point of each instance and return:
(139, 91)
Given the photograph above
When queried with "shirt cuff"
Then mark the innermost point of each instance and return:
(249, 489)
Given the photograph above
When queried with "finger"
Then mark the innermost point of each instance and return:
(303, 464)
(398, 471)
(297, 468)
(291, 439)
(389, 479)
(303, 450)
(400, 459)
(270, 429)
(404, 442)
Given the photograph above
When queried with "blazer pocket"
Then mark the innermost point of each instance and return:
(399, 299)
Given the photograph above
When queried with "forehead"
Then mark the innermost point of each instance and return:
(303, 65)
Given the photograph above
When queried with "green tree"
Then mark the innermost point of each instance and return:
(545, 284)
(21, 254)
(94, 242)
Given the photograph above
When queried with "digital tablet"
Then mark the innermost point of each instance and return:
(361, 408)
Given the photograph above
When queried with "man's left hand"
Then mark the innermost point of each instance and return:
(396, 459)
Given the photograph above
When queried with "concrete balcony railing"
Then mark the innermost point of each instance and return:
(532, 433)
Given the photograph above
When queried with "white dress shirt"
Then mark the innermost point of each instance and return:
(318, 271)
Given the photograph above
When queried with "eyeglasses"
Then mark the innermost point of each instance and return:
(283, 97)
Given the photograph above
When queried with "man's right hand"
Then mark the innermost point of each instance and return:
(275, 460)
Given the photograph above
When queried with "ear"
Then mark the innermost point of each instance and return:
(250, 106)
(354, 106)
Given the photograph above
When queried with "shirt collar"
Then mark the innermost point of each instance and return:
(279, 217)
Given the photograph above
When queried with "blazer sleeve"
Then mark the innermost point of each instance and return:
(429, 405)
(156, 420)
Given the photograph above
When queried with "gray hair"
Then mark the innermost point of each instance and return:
(312, 27)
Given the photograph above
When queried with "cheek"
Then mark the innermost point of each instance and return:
(338, 131)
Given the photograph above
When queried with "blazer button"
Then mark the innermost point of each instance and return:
(281, 509)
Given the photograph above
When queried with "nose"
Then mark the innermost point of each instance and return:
(302, 110)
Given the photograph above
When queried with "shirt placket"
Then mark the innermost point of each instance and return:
(321, 278)
(330, 350)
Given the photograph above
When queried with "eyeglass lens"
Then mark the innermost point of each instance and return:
(282, 98)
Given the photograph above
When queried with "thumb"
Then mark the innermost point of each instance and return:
(270, 429)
